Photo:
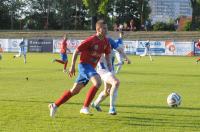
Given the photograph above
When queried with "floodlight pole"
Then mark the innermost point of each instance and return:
(142, 10)
(76, 15)
(48, 10)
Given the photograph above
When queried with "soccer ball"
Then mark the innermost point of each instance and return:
(174, 100)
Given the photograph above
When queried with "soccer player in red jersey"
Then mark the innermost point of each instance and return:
(90, 52)
(198, 46)
(63, 53)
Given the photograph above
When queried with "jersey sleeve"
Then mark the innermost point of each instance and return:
(119, 41)
(198, 44)
(113, 44)
(85, 44)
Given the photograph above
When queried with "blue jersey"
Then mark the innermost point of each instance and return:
(113, 44)
(119, 41)
(22, 47)
(102, 62)
(147, 44)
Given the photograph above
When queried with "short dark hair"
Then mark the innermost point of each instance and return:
(100, 23)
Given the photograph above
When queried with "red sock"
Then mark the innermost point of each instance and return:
(90, 95)
(65, 65)
(66, 95)
(198, 59)
(59, 61)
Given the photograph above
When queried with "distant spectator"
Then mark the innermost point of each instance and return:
(132, 25)
(126, 28)
(115, 27)
(176, 24)
(121, 27)
(142, 27)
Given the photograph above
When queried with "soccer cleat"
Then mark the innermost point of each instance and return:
(112, 111)
(97, 107)
(85, 111)
(52, 109)
(197, 61)
(64, 70)
(14, 56)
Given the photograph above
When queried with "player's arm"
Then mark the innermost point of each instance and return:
(82, 47)
(72, 68)
(68, 50)
(121, 51)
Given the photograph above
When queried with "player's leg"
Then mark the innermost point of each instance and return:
(96, 83)
(60, 61)
(120, 63)
(197, 61)
(111, 87)
(65, 97)
(65, 59)
(102, 96)
(149, 53)
(145, 52)
(24, 54)
(113, 93)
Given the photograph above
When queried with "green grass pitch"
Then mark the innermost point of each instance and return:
(141, 103)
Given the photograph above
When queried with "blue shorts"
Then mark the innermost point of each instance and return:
(63, 57)
(86, 71)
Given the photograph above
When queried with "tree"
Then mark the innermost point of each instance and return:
(195, 13)
(126, 10)
(4, 16)
(96, 8)
(10, 9)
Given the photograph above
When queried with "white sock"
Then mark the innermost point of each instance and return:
(24, 58)
(113, 97)
(100, 98)
(150, 57)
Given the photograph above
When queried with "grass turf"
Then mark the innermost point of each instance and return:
(141, 103)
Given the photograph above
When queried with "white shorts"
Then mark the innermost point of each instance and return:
(104, 74)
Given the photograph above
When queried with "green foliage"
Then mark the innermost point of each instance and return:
(69, 14)
(138, 10)
(4, 17)
(195, 4)
(187, 26)
(102, 7)
(161, 26)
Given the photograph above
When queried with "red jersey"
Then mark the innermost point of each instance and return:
(92, 48)
(63, 46)
(198, 44)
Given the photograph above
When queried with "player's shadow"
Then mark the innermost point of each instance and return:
(160, 74)
(157, 107)
(119, 105)
(159, 121)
